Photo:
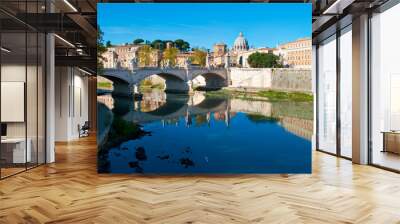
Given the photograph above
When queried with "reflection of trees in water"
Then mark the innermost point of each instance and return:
(201, 119)
(122, 105)
(174, 102)
(258, 118)
(303, 110)
(211, 102)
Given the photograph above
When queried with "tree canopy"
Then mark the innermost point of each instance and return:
(100, 50)
(145, 55)
(108, 44)
(182, 45)
(158, 44)
(170, 54)
(138, 41)
(264, 60)
(199, 57)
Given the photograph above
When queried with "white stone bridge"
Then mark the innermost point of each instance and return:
(176, 79)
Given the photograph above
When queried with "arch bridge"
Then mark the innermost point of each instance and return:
(176, 79)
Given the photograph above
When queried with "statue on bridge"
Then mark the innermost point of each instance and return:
(166, 64)
(227, 61)
(208, 60)
(134, 63)
(188, 63)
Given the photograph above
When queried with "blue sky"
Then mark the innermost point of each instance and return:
(202, 25)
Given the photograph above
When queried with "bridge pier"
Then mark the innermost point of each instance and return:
(134, 88)
(121, 89)
(190, 86)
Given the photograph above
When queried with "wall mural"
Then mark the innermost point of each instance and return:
(200, 94)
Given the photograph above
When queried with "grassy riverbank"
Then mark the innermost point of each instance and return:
(104, 85)
(267, 95)
(148, 85)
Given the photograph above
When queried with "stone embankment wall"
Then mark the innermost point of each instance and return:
(281, 79)
(291, 80)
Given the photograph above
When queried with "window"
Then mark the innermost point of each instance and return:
(22, 87)
(327, 95)
(385, 89)
(346, 92)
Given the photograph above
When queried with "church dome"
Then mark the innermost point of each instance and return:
(240, 43)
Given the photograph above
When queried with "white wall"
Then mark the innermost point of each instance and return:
(71, 102)
(12, 73)
(250, 77)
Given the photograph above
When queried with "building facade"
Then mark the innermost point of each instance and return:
(120, 56)
(297, 54)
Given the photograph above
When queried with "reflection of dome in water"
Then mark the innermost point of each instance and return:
(240, 43)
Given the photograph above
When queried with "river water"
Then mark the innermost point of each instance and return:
(209, 135)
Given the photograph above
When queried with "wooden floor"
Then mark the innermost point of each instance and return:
(70, 191)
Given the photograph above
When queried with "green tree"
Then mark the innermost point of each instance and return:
(182, 45)
(108, 43)
(158, 44)
(199, 57)
(145, 55)
(170, 54)
(138, 41)
(100, 50)
(264, 60)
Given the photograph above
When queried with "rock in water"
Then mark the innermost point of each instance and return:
(186, 162)
(140, 154)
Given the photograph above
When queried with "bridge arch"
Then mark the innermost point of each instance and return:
(209, 80)
(172, 82)
(120, 75)
(121, 86)
(176, 79)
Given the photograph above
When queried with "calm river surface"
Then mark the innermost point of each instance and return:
(198, 134)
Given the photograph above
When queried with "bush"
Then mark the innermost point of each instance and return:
(264, 60)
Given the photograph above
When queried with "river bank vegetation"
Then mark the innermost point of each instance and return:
(147, 84)
(104, 85)
(267, 95)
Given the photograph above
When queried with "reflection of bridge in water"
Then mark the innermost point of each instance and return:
(180, 107)
(167, 109)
